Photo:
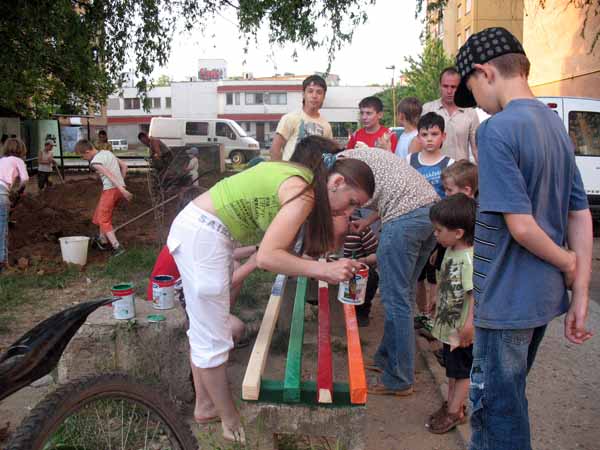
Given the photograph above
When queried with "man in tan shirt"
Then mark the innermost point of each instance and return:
(461, 123)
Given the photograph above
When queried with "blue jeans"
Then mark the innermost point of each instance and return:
(501, 361)
(4, 211)
(404, 246)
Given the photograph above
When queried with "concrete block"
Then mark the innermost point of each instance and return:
(153, 351)
(344, 426)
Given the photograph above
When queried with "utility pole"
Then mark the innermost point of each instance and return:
(393, 69)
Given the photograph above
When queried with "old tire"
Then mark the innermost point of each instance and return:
(74, 417)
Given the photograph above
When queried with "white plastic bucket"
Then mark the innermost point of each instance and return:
(74, 249)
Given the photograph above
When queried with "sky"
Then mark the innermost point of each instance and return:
(390, 34)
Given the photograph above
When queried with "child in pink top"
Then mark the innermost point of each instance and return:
(12, 168)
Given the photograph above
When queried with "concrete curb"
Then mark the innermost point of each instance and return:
(439, 376)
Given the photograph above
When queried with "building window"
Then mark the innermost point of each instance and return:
(467, 33)
(440, 27)
(113, 103)
(196, 128)
(458, 40)
(584, 130)
(155, 102)
(467, 7)
(254, 98)
(132, 103)
(229, 98)
(458, 8)
(276, 98)
(236, 98)
(168, 102)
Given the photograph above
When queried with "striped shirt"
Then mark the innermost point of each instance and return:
(360, 245)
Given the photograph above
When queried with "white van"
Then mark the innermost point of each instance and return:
(119, 144)
(239, 147)
(581, 118)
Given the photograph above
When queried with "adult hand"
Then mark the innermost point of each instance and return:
(360, 225)
(575, 327)
(341, 270)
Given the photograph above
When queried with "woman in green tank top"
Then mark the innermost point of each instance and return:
(273, 198)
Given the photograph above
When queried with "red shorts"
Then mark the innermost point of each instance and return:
(104, 211)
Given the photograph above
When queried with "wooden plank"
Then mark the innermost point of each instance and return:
(324, 358)
(271, 391)
(356, 368)
(293, 366)
(260, 351)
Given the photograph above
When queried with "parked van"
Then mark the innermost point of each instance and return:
(581, 118)
(119, 144)
(239, 147)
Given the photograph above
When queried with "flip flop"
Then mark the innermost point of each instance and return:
(207, 420)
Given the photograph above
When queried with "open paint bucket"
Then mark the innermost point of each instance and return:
(124, 307)
(352, 292)
(163, 292)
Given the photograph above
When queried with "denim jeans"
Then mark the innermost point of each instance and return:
(4, 211)
(404, 247)
(501, 361)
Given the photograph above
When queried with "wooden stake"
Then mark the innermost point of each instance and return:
(293, 366)
(324, 358)
(356, 368)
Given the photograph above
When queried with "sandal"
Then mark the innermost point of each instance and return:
(443, 410)
(445, 423)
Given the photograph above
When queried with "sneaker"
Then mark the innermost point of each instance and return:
(118, 251)
(97, 243)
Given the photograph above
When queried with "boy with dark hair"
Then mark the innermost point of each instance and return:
(295, 125)
(409, 111)
(531, 204)
(372, 134)
(453, 221)
(102, 142)
(112, 172)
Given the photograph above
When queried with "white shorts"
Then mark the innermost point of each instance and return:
(203, 250)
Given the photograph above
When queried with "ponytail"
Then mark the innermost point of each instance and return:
(318, 154)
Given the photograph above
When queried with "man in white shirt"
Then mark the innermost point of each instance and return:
(461, 123)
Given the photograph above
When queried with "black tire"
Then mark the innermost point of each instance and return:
(237, 157)
(52, 415)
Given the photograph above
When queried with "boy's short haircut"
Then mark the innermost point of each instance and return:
(371, 102)
(431, 120)
(456, 212)
(142, 134)
(83, 146)
(450, 71)
(511, 65)
(412, 109)
(314, 79)
(102, 132)
(463, 173)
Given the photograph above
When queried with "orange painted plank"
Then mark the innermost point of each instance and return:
(356, 367)
(324, 359)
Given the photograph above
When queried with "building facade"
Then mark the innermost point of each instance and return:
(561, 38)
(256, 104)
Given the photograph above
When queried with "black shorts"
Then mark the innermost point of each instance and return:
(429, 270)
(458, 362)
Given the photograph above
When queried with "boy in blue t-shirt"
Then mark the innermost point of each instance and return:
(531, 204)
(429, 162)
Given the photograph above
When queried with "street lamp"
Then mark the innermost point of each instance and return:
(393, 69)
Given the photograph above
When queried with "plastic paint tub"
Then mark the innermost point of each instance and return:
(74, 249)
(352, 292)
(124, 307)
(163, 292)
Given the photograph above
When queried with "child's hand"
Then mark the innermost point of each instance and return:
(433, 257)
(128, 195)
(358, 226)
(466, 334)
(385, 141)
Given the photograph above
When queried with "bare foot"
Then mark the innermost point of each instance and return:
(233, 435)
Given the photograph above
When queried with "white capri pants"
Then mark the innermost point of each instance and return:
(203, 250)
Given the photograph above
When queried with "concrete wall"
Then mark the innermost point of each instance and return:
(563, 62)
(160, 92)
(195, 99)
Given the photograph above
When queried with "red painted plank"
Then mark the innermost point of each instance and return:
(356, 368)
(324, 362)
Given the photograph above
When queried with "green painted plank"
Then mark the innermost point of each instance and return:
(293, 365)
(271, 391)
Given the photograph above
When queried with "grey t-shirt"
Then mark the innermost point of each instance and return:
(399, 189)
(526, 166)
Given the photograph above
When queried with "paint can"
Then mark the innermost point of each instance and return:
(124, 306)
(163, 292)
(352, 292)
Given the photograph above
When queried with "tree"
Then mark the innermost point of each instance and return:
(163, 80)
(422, 75)
(67, 55)
(388, 104)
